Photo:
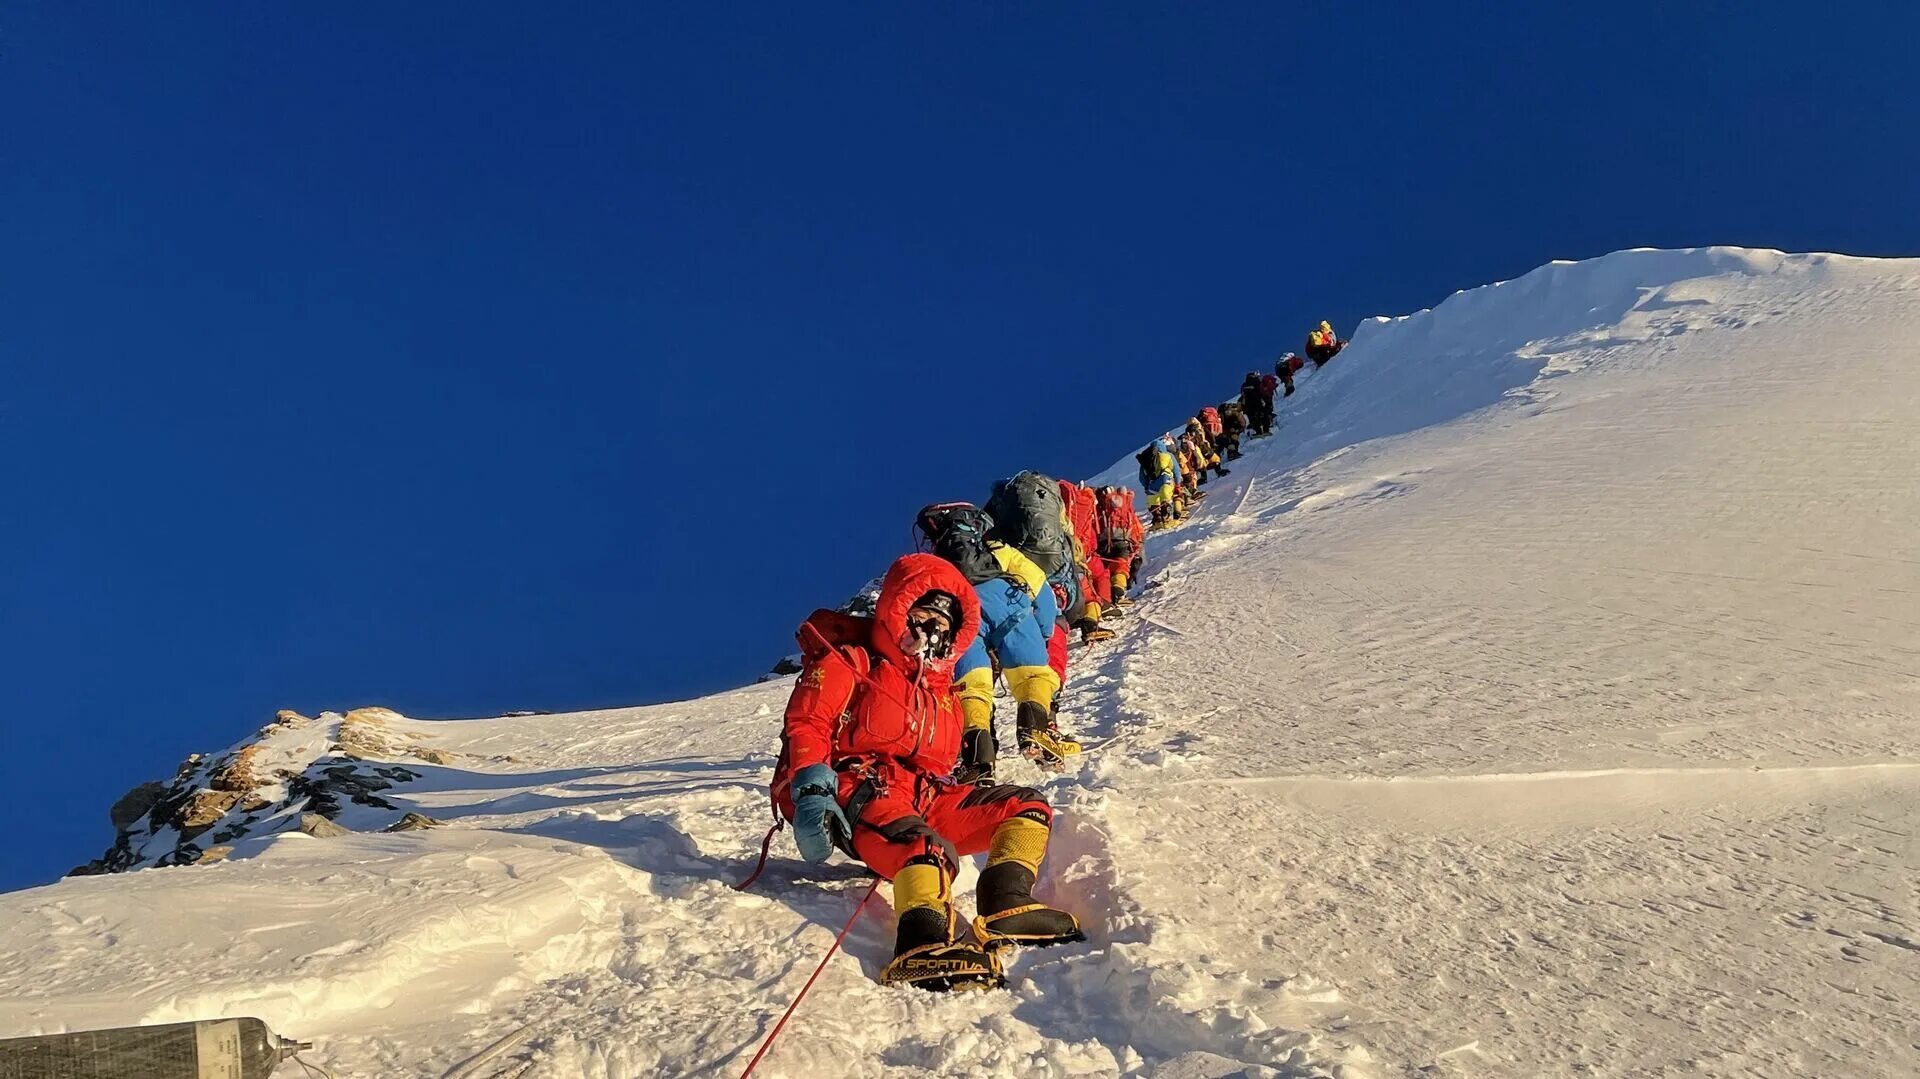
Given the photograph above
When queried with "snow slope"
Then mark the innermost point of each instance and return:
(1543, 698)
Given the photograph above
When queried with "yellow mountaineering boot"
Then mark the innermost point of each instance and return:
(1090, 628)
(1008, 912)
(1040, 739)
(925, 953)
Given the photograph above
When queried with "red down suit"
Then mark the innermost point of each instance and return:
(890, 726)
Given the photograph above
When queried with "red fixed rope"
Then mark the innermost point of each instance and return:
(848, 928)
(766, 844)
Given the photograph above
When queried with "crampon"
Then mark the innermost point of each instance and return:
(1047, 747)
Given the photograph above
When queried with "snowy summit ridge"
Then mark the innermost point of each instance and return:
(1539, 699)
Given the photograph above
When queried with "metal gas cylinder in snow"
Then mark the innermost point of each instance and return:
(209, 1049)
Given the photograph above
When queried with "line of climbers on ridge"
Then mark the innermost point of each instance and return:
(1174, 466)
(888, 746)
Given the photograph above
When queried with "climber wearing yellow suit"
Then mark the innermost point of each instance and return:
(1322, 344)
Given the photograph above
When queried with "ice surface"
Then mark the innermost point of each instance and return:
(1543, 698)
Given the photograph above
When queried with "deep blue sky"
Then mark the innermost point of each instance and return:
(466, 357)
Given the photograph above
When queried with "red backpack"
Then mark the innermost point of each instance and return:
(1210, 418)
(1115, 527)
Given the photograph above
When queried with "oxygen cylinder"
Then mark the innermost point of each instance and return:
(208, 1049)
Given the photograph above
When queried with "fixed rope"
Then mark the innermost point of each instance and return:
(766, 844)
(777, 1027)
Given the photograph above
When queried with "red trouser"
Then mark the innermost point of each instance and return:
(1115, 565)
(965, 815)
(1057, 651)
(1102, 583)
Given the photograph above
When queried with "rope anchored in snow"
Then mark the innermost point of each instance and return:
(766, 844)
(844, 930)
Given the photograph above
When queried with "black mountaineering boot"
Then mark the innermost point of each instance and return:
(977, 752)
(925, 955)
(1010, 915)
(1040, 740)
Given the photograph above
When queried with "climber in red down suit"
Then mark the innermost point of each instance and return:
(872, 736)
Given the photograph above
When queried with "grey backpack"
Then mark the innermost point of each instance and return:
(1029, 517)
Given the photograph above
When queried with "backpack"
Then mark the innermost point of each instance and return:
(1113, 535)
(1029, 516)
(1210, 417)
(957, 532)
(1149, 467)
(823, 633)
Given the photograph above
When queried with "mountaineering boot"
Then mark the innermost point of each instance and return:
(1040, 740)
(1203, 479)
(1092, 631)
(1008, 912)
(977, 753)
(1219, 472)
(925, 955)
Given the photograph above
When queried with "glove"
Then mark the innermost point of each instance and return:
(816, 808)
(910, 829)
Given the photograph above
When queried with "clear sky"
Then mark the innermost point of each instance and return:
(474, 357)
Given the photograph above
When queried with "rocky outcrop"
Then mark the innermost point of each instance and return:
(135, 803)
(326, 789)
(202, 809)
(295, 773)
(319, 827)
(239, 772)
(782, 667)
(865, 601)
(861, 603)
